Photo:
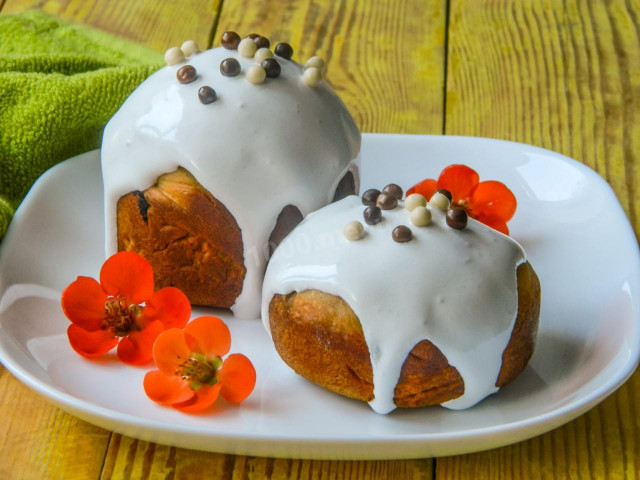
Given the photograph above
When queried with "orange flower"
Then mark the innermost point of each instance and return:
(489, 202)
(122, 306)
(191, 373)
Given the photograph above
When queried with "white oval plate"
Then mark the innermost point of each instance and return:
(576, 236)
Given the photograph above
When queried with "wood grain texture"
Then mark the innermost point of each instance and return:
(156, 24)
(39, 441)
(134, 459)
(564, 76)
(384, 58)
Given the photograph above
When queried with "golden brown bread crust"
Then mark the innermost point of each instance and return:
(191, 240)
(321, 339)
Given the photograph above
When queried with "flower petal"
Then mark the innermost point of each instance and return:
(137, 347)
(83, 303)
(238, 377)
(170, 350)
(204, 397)
(166, 389)
(91, 344)
(493, 200)
(129, 275)
(460, 180)
(209, 336)
(426, 188)
(170, 306)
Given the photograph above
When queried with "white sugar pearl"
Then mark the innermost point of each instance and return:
(354, 231)
(189, 48)
(256, 74)
(262, 54)
(173, 55)
(316, 62)
(247, 47)
(440, 200)
(420, 216)
(414, 200)
(312, 76)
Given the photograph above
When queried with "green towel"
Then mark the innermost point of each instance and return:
(59, 85)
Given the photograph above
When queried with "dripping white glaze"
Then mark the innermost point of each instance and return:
(455, 288)
(256, 149)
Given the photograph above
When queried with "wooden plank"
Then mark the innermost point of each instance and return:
(386, 60)
(158, 25)
(387, 64)
(134, 459)
(40, 441)
(564, 76)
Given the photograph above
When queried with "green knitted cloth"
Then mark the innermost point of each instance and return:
(59, 85)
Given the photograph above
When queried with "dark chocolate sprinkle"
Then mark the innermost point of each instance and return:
(230, 40)
(393, 189)
(272, 67)
(372, 215)
(284, 50)
(229, 67)
(386, 201)
(370, 196)
(401, 234)
(207, 95)
(445, 192)
(262, 42)
(456, 218)
(186, 74)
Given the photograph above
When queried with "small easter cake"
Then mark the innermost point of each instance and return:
(216, 157)
(401, 303)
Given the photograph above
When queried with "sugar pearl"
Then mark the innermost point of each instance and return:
(316, 62)
(370, 196)
(230, 40)
(207, 95)
(272, 67)
(189, 48)
(446, 193)
(401, 234)
(420, 216)
(256, 74)
(354, 230)
(173, 55)
(229, 67)
(439, 200)
(262, 54)
(386, 201)
(262, 42)
(247, 48)
(312, 76)
(393, 189)
(414, 200)
(372, 215)
(284, 50)
(186, 74)
(457, 218)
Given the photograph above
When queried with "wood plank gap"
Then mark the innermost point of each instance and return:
(104, 459)
(214, 26)
(444, 90)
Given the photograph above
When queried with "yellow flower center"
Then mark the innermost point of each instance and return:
(120, 317)
(197, 370)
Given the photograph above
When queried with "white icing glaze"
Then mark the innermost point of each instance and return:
(455, 288)
(256, 149)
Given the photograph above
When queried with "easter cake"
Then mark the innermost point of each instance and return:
(216, 157)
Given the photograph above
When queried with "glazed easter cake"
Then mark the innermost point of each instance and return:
(216, 157)
(419, 305)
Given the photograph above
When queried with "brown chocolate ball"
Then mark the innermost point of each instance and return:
(393, 189)
(372, 215)
(230, 67)
(253, 36)
(457, 218)
(386, 201)
(401, 234)
(272, 67)
(370, 196)
(445, 192)
(207, 95)
(186, 74)
(262, 42)
(284, 50)
(230, 40)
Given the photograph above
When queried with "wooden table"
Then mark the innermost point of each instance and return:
(564, 75)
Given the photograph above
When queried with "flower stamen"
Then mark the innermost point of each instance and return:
(120, 317)
(197, 370)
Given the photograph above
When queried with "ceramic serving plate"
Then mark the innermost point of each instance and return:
(569, 221)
